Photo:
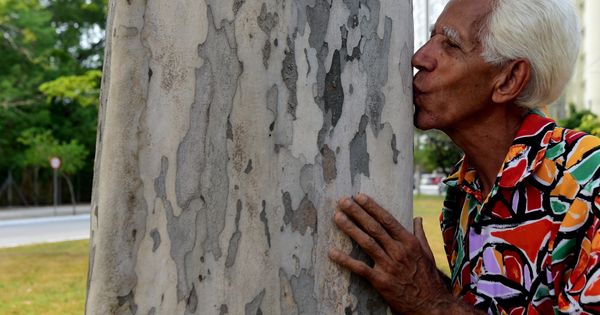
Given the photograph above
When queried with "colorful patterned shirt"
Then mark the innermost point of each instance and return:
(532, 246)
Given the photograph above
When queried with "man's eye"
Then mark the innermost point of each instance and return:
(452, 44)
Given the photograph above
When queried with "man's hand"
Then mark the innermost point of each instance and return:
(404, 271)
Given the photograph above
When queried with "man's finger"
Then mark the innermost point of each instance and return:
(363, 219)
(420, 235)
(391, 225)
(366, 242)
(356, 266)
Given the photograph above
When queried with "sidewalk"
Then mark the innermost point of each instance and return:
(45, 211)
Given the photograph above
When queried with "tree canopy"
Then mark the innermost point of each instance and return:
(49, 88)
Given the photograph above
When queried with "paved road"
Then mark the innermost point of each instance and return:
(42, 211)
(46, 229)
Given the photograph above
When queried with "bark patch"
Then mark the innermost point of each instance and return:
(234, 241)
(155, 239)
(359, 156)
(253, 308)
(265, 221)
(329, 169)
(289, 73)
(303, 217)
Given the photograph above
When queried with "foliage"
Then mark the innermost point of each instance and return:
(582, 120)
(49, 86)
(435, 151)
(44, 279)
(41, 147)
(82, 89)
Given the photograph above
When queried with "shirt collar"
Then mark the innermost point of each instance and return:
(524, 156)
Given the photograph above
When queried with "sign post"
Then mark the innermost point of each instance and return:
(55, 164)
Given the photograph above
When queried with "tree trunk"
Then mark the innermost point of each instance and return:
(228, 129)
(71, 191)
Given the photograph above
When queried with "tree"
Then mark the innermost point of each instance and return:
(435, 151)
(41, 147)
(227, 133)
(56, 45)
(582, 120)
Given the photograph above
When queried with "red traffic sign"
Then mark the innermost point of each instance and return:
(55, 162)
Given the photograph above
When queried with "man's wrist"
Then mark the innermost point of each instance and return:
(447, 304)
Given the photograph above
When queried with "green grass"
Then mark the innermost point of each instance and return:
(51, 278)
(430, 207)
(43, 279)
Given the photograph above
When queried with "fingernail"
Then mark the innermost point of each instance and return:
(332, 253)
(361, 198)
(340, 217)
(344, 203)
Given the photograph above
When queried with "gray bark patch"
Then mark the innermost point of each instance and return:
(304, 293)
(395, 151)
(329, 169)
(203, 147)
(359, 156)
(237, 4)
(180, 231)
(126, 301)
(155, 239)
(267, 20)
(265, 221)
(223, 309)
(229, 132)
(272, 95)
(375, 57)
(234, 241)
(289, 73)
(303, 217)
(253, 308)
(369, 302)
(334, 92)
(192, 302)
(248, 167)
(266, 52)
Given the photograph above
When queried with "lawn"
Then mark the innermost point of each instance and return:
(429, 208)
(43, 279)
(51, 278)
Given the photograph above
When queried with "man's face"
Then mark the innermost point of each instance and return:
(453, 85)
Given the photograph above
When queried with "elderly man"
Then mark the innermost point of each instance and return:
(521, 216)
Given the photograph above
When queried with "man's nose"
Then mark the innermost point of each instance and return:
(423, 59)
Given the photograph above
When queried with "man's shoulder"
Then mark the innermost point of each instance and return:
(576, 152)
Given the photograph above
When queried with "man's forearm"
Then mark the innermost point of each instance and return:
(450, 305)
(445, 279)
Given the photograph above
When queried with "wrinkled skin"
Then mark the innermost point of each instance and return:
(404, 270)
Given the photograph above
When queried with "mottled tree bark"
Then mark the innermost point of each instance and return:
(227, 131)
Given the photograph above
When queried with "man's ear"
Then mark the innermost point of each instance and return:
(511, 81)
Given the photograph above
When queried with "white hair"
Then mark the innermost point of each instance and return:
(544, 32)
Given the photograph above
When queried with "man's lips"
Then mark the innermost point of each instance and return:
(416, 93)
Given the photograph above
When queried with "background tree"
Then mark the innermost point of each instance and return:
(41, 147)
(582, 120)
(434, 151)
(49, 81)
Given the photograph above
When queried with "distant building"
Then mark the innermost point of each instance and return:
(584, 88)
(425, 13)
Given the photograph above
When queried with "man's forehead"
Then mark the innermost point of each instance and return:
(463, 16)
(474, 9)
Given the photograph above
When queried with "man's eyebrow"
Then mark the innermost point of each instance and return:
(452, 35)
